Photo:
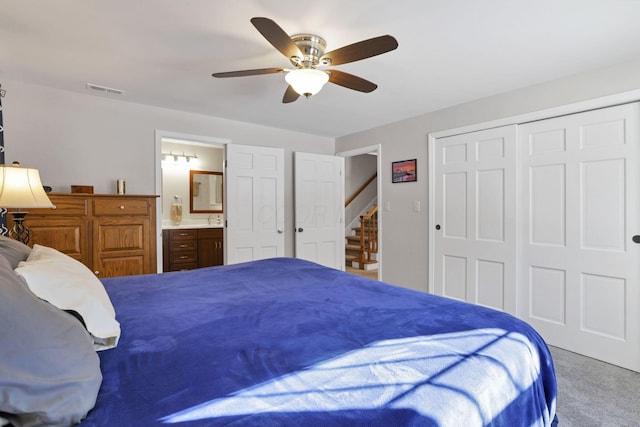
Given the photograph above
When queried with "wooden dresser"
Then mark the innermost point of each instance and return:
(188, 248)
(113, 235)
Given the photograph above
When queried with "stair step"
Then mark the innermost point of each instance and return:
(366, 265)
(354, 252)
(356, 239)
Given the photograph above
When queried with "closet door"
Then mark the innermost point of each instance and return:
(579, 264)
(319, 207)
(475, 213)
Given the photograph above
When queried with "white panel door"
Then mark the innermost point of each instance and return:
(319, 208)
(579, 267)
(475, 213)
(254, 203)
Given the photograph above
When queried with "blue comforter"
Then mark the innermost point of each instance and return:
(288, 342)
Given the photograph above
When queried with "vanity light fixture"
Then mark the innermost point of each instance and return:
(178, 157)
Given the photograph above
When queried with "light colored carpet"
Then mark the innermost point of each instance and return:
(591, 393)
(594, 393)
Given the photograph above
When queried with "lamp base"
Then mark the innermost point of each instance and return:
(19, 231)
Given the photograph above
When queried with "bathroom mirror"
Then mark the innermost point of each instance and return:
(205, 191)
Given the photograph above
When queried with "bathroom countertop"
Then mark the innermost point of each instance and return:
(190, 225)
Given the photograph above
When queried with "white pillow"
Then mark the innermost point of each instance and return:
(70, 285)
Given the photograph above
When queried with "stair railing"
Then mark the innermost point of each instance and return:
(368, 235)
(360, 190)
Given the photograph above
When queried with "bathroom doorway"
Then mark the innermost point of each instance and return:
(184, 167)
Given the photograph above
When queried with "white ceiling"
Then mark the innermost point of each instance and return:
(162, 52)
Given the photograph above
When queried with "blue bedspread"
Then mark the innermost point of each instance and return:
(288, 342)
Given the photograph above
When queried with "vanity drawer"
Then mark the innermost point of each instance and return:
(210, 233)
(180, 235)
(120, 207)
(183, 265)
(184, 258)
(183, 245)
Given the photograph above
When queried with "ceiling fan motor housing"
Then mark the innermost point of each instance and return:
(312, 47)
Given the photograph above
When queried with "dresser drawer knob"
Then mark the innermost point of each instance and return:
(121, 207)
(184, 257)
(183, 246)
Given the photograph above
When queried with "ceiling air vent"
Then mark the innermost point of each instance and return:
(105, 89)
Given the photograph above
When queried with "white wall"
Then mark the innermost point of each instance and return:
(404, 244)
(93, 140)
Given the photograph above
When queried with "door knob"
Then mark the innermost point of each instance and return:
(280, 231)
(300, 230)
(636, 238)
(437, 226)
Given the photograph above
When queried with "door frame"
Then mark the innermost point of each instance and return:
(572, 108)
(366, 150)
(185, 138)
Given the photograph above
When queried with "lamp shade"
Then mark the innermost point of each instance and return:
(307, 81)
(21, 188)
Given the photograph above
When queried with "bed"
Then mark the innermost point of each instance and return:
(288, 342)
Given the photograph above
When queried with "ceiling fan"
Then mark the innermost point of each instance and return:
(307, 52)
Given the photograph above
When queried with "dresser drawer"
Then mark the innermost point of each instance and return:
(120, 207)
(63, 207)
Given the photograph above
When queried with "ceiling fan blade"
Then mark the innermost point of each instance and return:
(244, 73)
(350, 81)
(290, 95)
(361, 50)
(277, 37)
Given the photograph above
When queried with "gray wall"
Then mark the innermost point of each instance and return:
(404, 235)
(93, 140)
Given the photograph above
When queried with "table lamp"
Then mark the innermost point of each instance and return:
(21, 188)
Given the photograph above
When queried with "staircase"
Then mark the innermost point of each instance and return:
(361, 250)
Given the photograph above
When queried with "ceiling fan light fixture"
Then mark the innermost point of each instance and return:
(307, 81)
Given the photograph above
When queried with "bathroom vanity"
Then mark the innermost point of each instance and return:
(189, 247)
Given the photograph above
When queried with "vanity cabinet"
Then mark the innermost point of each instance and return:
(182, 251)
(189, 248)
(210, 247)
(113, 235)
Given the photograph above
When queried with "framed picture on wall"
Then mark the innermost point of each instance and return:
(404, 171)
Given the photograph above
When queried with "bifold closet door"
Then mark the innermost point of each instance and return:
(475, 212)
(579, 207)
